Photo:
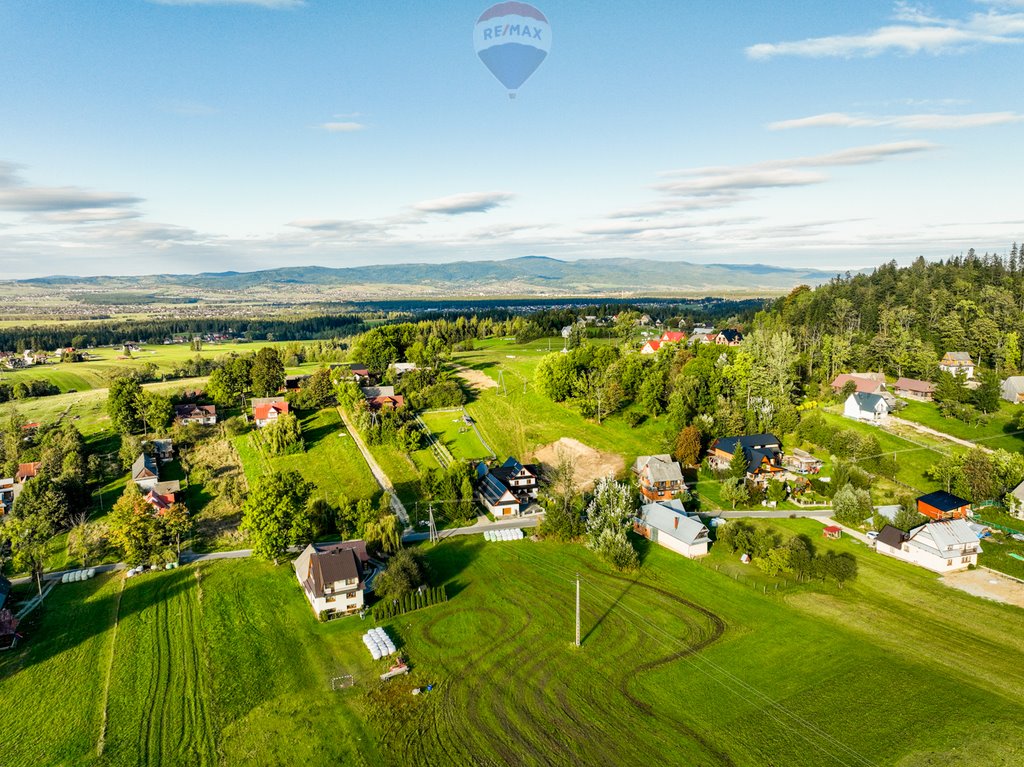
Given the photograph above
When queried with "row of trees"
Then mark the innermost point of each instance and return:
(26, 389)
(773, 555)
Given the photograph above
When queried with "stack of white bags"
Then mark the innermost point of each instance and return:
(378, 643)
(515, 534)
(78, 575)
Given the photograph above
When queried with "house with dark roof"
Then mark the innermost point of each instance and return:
(912, 388)
(191, 413)
(266, 410)
(509, 489)
(667, 524)
(145, 472)
(660, 477)
(729, 337)
(762, 451)
(957, 363)
(332, 576)
(943, 505)
(860, 406)
(163, 449)
(941, 547)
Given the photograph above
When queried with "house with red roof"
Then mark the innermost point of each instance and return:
(651, 347)
(673, 336)
(27, 471)
(267, 410)
(382, 398)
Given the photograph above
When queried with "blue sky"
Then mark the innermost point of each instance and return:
(177, 136)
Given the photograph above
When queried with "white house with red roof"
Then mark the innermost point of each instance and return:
(267, 410)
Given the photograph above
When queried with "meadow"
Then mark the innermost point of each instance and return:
(1000, 431)
(696, 663)
(448, 428)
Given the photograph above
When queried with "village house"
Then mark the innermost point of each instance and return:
(871, 408)
(912, 388)
(802, 462)
(332, 577)
(294, 383)
(762, 451)
(941, 547)
(7, 488)
(729, 337)
(651, 347)
(509, 489)
(145, 472)
(673, 337)
(27, 471)
(661, 478)
(162, 495)
(865, 383)
(957, 363)
(1013, 389)
(163, 449)
(943, 505)
(201, 414)
(382, 398)
(401, 368)
(667, 524)
(266, 410)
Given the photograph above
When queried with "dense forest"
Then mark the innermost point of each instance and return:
(901, 320)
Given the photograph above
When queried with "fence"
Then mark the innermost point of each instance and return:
(441, 453)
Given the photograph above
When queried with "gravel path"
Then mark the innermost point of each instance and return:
(376, 470)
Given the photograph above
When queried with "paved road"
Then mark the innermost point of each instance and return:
(811, 513)
(478, 528)
(376, 470)
(936, 433)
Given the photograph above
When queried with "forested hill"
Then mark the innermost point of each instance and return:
(903, 319)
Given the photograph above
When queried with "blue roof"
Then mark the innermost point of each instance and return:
(512, 463)
(492, 488)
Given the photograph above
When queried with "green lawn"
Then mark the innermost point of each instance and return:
(450, 430)
(708, 661)
(331, 460)
(999, 432)
(517, 419)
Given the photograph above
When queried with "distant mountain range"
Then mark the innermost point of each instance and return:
(529, 275)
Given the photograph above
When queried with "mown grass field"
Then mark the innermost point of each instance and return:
(696, 663)
(449, 429)
(517, 419)
(331, 460)
(999, 432)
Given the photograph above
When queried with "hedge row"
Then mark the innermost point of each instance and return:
(414, 600)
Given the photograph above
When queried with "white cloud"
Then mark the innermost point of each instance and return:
(471, 202)
(342, 127)
(917, 31)
(272, 4)
(65, 198)
(901, 122)
(87, 216)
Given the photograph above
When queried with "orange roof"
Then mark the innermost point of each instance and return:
(654, 345)
(673, 336)
(28, 470)
(262, 412)
(864, 385)
(395, 401)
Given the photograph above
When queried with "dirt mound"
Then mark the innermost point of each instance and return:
(590, 464)
(475, 378)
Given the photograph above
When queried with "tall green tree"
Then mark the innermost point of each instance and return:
(275, 514)
(267, 372)
(123, 397)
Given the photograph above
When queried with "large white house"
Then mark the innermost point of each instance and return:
(866, 407)
(331, 575)
(667, 524)
(942, 547)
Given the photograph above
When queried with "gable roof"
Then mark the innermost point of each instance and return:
(862, 382)
(943, 501)
(261, 411)
(494, 490)
(941, 537)
(27, 470)
(671, 522)
(915, 385)
(654, 344)
(324, 563)
(373, 392)
(731, 335)
(1014, 385)
(145, 467)
(964, 358)
(747, 442)
(891, 536)
(868, 403)
(673, 336)
(190, 410)
(659, 468)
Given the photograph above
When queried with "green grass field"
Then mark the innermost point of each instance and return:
(999, 432)
(449, 429)
(517, 419)
(697, 663)
(331, 460)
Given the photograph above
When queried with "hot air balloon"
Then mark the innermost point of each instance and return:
(512, 39)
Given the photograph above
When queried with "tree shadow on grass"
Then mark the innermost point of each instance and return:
(448, 559)
(608, 610)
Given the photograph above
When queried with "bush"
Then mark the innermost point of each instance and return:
(634, 418)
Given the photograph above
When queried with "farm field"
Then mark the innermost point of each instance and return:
(517, 419)
(708, 661)
(104, 364)
(331, 460)
(999, 432)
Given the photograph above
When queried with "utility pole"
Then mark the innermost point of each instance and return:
(433, 527)
(578, 609)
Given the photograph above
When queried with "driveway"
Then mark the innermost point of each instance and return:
(376, 470)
